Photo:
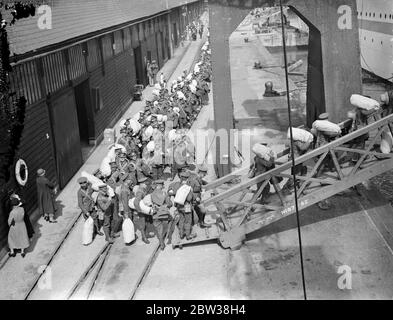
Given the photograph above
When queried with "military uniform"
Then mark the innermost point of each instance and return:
(180, 159)
(140, 218)
(197, 182)
(261, 166)
(86, 203)
(161, 216)
(125, 195)
(185, 211)
(113, 179)
(107, 208)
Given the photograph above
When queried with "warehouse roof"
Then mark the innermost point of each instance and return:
(73, 18)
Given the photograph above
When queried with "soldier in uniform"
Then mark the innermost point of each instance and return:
(179, 158)
(125, 195)
(115, 175)
(259, 167)
(124, 139)
(107, 208)
(161, 216)
(87, 204)
(123, 166)
(143, 173)
(185, 211)
(197, 182)
(141, 219)
(387, 103)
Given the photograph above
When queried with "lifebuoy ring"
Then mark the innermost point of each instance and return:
(21, 172)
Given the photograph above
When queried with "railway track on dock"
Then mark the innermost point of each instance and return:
(86, 281)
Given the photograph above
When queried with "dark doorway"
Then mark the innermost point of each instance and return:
(159, 60)
(85, 117)
(140, 79)
(168, 48)
(175, 38)
(148, 55)
(162, 45)
(66, 132)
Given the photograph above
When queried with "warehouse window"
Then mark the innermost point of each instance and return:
(93, 54)
(127, 38)
(77, 65)
(55, 74)
(24, 82)
(107, 49)
(118, 42)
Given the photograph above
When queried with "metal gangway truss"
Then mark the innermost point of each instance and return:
(240, 212)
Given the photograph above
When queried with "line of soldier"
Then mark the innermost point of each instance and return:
(139, 168)
(359, 118)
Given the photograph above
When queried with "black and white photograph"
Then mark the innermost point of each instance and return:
(219, 151)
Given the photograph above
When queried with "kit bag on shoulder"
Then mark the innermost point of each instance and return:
(328, 128)
(386, 142)
(366, 105)
(181, 194)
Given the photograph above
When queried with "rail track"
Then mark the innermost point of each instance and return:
(91, 276)
(53, 256)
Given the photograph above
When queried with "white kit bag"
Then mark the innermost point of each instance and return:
(364, 103)
(301, 135)
(105, 167)
(386, 142)
(87, 233)
(128, 231)
(262, 151)
(181, 194)
(327, 127)
(95, 182)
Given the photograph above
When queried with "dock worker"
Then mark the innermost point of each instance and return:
(106, 208)
(161, 215)
(197, 182)
(45, 193)
(269, 92)
(87, 204)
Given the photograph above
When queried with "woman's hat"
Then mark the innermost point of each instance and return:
(40, 172)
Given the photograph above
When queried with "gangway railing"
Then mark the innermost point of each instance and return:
(331, 169)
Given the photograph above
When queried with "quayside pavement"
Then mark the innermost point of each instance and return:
(18, 275)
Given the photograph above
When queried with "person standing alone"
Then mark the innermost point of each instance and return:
(17, 235)
(45, 190)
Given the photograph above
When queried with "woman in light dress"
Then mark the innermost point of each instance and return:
(17, 235)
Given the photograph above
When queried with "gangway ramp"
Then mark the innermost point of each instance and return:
(240, 212)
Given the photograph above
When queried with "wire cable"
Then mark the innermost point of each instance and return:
(292, 153)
